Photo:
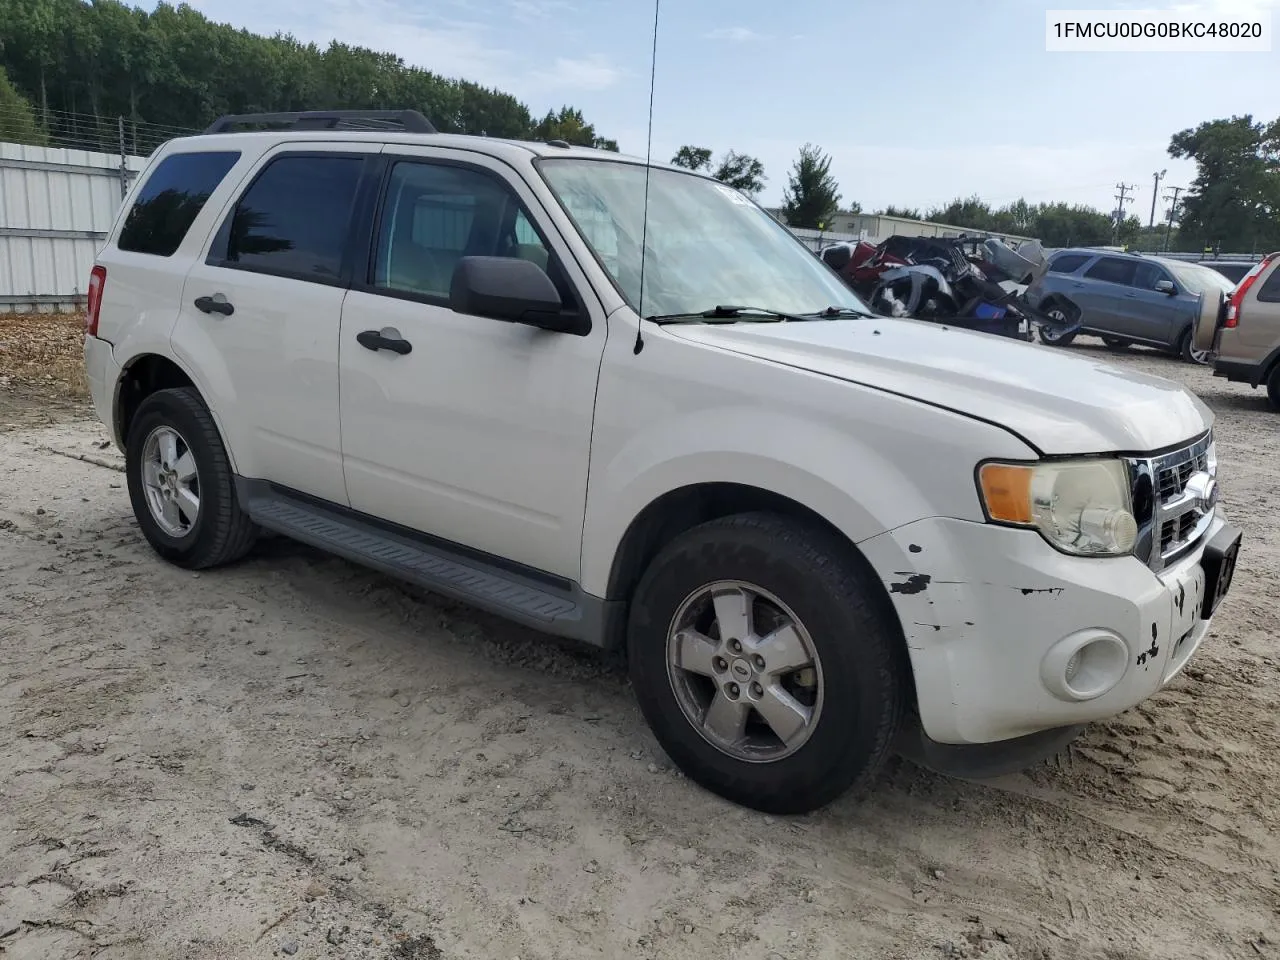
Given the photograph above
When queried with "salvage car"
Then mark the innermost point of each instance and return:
(817, 534)
(1244, 339)
(1126, 299)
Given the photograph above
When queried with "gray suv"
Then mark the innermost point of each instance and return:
(1127, 298)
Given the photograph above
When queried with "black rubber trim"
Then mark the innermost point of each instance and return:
(1236, 372)
(982, 761)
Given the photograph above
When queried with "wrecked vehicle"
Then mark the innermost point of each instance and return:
(937, 279)
(816, 537)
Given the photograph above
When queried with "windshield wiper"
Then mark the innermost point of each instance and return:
(831, 313)
(729, 314)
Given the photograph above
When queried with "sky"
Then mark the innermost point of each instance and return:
(917, 101)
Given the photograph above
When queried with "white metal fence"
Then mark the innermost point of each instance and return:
(56, 207)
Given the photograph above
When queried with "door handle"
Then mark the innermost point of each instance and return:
(215, 304)
(385, 339)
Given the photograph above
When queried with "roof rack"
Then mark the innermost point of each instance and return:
(410, 121)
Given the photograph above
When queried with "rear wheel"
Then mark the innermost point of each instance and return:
(766, 662)
(1273, 387)
(1063, 314)
(1188, 351)
(181, 483)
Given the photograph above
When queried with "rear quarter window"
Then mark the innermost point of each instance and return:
(1269, 292)
(171, 199)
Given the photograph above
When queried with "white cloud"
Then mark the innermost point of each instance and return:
(734, 34)
(595, 72)
(530, 10)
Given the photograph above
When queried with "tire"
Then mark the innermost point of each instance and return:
(1187, 349)
(1273, 387)
(855, 692)
(1117, 343)
(1060, 313)
(215, 531)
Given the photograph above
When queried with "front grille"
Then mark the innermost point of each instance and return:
(1175, 499)
(1173, 480)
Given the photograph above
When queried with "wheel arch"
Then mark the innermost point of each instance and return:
(683, 508)
(676, 511)
(143, 375)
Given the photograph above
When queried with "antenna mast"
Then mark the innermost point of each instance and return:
(648, 158)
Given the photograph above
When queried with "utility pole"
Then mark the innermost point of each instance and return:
(1155, 191)
(124, 164)
(1172, 197)
(1123, 198)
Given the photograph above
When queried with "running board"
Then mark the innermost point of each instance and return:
(562, 610)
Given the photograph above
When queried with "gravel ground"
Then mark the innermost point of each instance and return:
(297, 757)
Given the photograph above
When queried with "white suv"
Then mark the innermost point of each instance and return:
(818, 534)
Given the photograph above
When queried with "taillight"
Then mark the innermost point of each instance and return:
(97, 280)
(1242, 288)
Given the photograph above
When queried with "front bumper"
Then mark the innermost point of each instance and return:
(991, 615)
(103, 373)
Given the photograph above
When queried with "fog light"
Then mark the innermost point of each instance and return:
(1085, 665)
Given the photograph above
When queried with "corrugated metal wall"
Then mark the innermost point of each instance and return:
(56, 207)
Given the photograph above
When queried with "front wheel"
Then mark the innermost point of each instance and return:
(1189, 352)
(767, 662)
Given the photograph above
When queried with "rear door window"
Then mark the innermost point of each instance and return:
(1068, 263)
(1113, 270)
(294, 219)
(171, 198)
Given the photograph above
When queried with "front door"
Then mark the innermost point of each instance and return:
(1152, 314)
(480, 434)
(261, 313)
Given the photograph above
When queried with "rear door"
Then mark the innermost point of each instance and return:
(261, 313)
(1101, 294)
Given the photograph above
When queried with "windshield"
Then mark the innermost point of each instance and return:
(707, 244)
(1198, 279)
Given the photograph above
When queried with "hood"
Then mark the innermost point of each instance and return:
(1062, 403)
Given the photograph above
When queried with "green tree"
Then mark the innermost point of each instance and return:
(742, 172)
(18, 123)
(692, 158)
(909, 213)
(739, 170)
(568, 125)
(1234, 201)
(812, 195)
(172, 69)
(973, 212)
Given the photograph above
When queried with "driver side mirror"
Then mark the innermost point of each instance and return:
(1165, 287)
(510, 289)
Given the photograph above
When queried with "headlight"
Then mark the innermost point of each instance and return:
(1082, 507)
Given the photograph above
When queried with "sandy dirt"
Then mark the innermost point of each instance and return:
(297, 757)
